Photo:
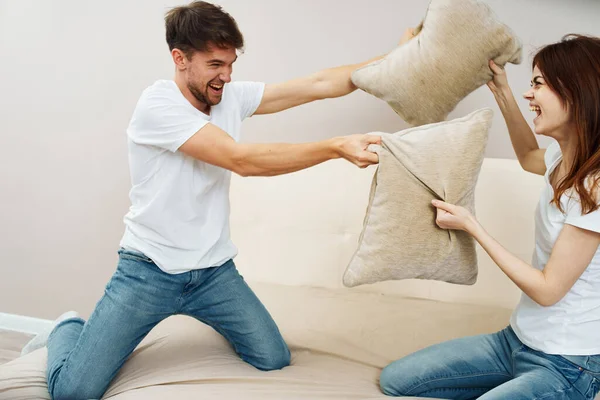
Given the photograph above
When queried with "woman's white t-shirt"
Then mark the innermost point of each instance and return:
(571, 326)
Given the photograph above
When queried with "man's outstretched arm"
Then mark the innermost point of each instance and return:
(214, 146)
(326, 84)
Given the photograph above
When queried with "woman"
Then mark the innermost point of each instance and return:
(551, 349)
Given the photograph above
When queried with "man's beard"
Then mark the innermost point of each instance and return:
(202, 97)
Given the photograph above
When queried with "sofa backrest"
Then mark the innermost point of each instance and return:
(302, 229)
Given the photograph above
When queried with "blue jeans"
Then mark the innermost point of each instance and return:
(494, 366)
(83, 357)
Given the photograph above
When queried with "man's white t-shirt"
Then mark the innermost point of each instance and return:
(179, 215)
(571, 326)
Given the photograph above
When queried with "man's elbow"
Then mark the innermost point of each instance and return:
(242, 172)
(323, 87)
(241, 165)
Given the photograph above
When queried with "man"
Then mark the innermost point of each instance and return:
(176, 253)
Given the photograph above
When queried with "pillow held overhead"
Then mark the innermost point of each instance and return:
(424, 79)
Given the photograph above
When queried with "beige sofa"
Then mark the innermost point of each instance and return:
(296, 234)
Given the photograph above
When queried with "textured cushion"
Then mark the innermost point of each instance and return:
(400, 239)
(424, 79)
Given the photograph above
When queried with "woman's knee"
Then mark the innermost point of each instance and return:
(396, 379)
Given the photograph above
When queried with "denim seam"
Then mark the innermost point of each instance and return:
(512, 356)
(454, 389)
(479, 388)
(466, 375)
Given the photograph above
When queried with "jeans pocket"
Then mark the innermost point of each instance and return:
(593, 390)
(134, 255)
(593, 365)
(569, 367)
(589, 364)
(588, 382)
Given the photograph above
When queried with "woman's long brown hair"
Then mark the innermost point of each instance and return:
(571, 68)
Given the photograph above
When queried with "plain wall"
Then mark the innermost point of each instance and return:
(71, 72)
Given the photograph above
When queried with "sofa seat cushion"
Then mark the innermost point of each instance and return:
(339, 338)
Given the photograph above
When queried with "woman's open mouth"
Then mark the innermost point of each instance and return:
(537, 110)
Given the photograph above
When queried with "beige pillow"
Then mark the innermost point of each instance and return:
(400, 239)
(424, 79)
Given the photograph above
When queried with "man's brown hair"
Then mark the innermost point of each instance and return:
(198, 25)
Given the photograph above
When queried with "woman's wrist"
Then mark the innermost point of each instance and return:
(473, 227)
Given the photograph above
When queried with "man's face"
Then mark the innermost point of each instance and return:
(207, 73)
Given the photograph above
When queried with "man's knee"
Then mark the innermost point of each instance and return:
(69, 390)
(271, 358)
(60, 393)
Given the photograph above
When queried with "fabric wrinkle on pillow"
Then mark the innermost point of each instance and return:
(400, 239)
(424, 79)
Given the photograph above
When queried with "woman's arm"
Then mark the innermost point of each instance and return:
(571, 255)
(530, 156)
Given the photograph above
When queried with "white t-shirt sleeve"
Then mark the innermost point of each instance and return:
(249, 96)
(552, 154)
(161, 119)
(590, 221)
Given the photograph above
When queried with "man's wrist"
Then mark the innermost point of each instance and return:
(334, 147)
